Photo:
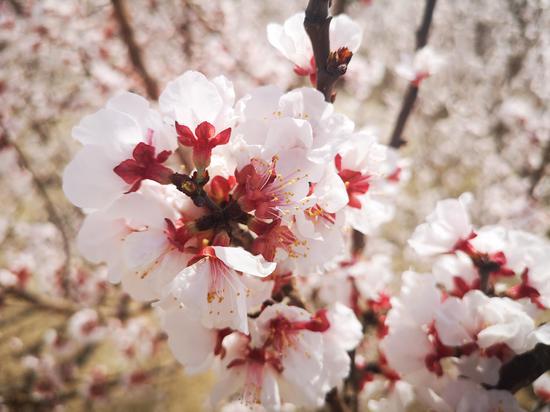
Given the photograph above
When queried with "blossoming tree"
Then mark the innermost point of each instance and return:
(241, 220)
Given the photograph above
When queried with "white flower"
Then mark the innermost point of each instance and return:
(292, 41)
(132, 237)
(370, 277)
(425, 63)
(400, 397)
(408, 321)
(462, 395)
(291, 356)
(448, 224)
(192, 99)
(455, 272)
(271, 121)
(222, 287)
(361, 163)
(124, 143)
(84, 326)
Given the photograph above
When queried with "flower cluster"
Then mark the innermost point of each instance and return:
(268, 189)
(479, 307)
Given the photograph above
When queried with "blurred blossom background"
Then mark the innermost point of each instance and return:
(69, 339)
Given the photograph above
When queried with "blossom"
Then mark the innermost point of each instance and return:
(192, 99)
(222, 286)
(124, 143)
(447, 225)
(84, 326)
(425, 63)
(361, 163)
(292, 41)
(408, 321)
(137, 239)
(271, 121)
(291, 356)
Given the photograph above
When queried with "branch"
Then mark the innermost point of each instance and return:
(17, 7)
(412, 91)
(53, 216)
(134, 51)
(330, 65)
(523, 369)
(38, 302)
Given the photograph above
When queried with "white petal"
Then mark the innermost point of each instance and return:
(243, 261)
(344, 32)
(89, 180)
(116, 132)
(191, 343)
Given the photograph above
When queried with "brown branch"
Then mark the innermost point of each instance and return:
(330, 65)
(53, 216)
(122, 17)
(538, 174)
(523, 369)
(17, 7)
(411, 94)
(39, 302)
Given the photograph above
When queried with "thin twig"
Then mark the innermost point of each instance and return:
(134, 51)
(412, 91)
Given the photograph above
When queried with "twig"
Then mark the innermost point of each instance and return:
(412, 91)
(54, 217)
(134, 51)
(523, 369)
(330, 65)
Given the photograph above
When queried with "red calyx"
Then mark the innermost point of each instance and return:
(524, 290)
(203, 141)
(177, 236)
(310, 71)
(144, 165)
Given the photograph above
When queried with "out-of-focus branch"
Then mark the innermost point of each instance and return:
(524, 369)
(411, 94)
(17, 7)
(538, 174)
(330, 65)
(135, 53)
(54, 217)
(21, 400)
(38, 302)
